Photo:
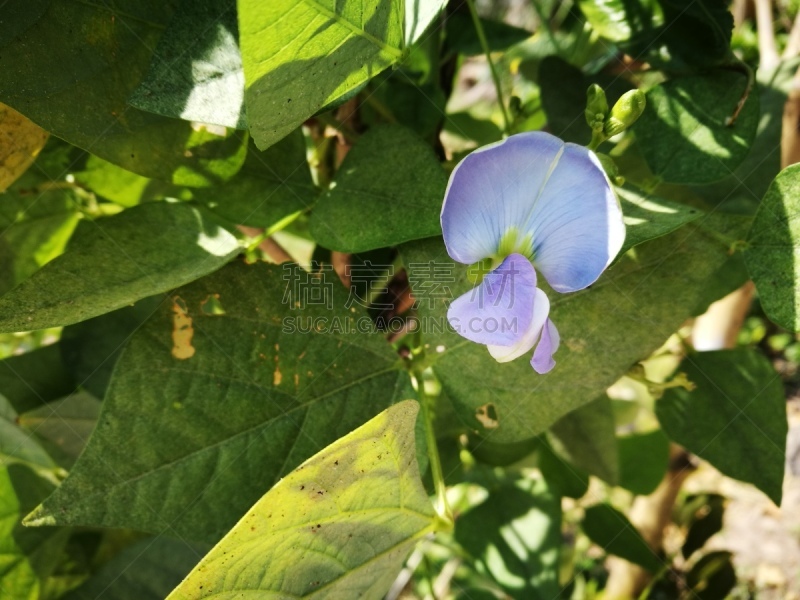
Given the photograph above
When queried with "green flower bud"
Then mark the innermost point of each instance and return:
(625, 112)
(596, 106)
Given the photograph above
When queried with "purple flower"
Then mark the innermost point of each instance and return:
(528, 201)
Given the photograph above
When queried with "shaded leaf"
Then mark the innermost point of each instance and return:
(90, 349)
(615, 534)
(389, 176)
(196, 72)
(684, 132)
(712, 577)
(735, 418)
(643, 461)
(648, 217)
(113, 262)
(773, 250)
(340, 525)
(706, 522)
(27, 556)
(21, 381)
(299, 57)
(272, 185)
(699, 34)
(564, 478)
(18, 446)
(103, 53)
(240, 398)
(515, 537)
(64, 424)
(461, 37)
(146, 570)
(586, 437)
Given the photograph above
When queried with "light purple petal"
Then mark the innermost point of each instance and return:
(542, 361)
(576, 222)
(494, 189)
(541, 308)
(500, 309)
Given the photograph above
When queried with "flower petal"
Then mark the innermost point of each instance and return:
(500, 309)
(542, 361)
(494, 189)
(576, 222)
(541, 308)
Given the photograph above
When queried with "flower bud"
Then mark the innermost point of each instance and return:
(596, 106)
(625, 112)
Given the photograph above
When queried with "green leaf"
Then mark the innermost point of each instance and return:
(121, 186)
(300, 56)
(712, 577)
(618, 20)
(388, 190)
(773, 248)
(114, 261)
(684, 131)
(419, 15)
(735, 418)
(81, 97)
(27, 556)
(146, 570)
(586, 437)
(603, 332)
(196, 72)
(698, 34)
(90, 349)
(648, 217)
(706, 522)
(240, 398)
(749, 181)
(461, 37)
(18, 446)
(615, 534)
(515, 537)
(643, 461)
(339, 526)
(272, 185)
(64, 425)
(564, 478)
(21, 381)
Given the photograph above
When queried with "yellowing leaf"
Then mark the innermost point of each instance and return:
(339, 526)
(20, 141)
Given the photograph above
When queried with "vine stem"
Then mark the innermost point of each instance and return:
(485, 46)
(442, 506)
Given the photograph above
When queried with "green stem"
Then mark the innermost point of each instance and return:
(442, 506)
(485, 45)
(545, 24)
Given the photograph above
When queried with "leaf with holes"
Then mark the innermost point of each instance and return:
(241, 395)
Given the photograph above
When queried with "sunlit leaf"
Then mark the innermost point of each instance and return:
(773, 250)
(340, 525)
(300, 56)
(114, 262)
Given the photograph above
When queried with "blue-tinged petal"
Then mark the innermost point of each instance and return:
(500, 309)
(541, 308)
(576, 222)
(542, 361)
(493, 190)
